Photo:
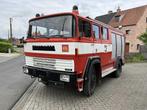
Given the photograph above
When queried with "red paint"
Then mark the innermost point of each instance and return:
(33, 54)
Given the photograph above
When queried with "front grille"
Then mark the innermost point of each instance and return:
(46, 63)
(50, 63)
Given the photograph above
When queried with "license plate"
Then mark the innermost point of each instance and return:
(64, 78)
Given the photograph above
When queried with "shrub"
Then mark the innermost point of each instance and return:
(4, 40)
(143, 38)
(4, 46)
(135, 58)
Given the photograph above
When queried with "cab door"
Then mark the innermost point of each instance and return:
(86, 38)
(85, 44)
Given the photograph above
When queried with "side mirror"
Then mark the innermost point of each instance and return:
(24, 41)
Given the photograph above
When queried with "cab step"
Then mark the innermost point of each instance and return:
(108, 71)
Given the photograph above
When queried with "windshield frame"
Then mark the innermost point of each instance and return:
(73, 28)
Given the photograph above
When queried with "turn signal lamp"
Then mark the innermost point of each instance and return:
(65, 48)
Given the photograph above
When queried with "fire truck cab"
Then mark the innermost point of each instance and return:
(67, 48)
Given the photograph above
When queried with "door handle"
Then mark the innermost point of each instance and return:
(105, 46)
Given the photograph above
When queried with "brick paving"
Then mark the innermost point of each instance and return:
(129, 92)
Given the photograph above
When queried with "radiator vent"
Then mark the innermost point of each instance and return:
(44, 48)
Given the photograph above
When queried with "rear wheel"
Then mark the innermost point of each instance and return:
(90, 82)
(118, 71)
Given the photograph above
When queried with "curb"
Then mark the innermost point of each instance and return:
(20, 103)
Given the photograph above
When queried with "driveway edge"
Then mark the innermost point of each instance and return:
(20, 103)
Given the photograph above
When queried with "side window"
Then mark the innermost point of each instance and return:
(84, 28)
(104, 32)
(95, 30)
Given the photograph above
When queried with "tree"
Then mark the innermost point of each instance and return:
(143, 38)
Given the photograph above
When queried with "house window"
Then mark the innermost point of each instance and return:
(96, 31)
(128, 31)
(104, 32)
(138, 46)
(117, 18)
(84, 28)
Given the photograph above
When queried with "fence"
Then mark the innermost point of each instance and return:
(143, 51)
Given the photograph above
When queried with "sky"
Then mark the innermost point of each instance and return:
(22, 10)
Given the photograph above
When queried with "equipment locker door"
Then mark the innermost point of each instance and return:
(114, 46)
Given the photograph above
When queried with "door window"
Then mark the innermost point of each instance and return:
(95, 30)
(84, 28)
(104, 32)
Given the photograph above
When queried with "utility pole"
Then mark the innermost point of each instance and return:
(8, 35)
(11, 34)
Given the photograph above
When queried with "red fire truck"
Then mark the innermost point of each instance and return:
(67, 48)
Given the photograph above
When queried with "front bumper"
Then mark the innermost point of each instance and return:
(49, 75)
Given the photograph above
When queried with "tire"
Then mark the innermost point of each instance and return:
(118, 71)
(90, 82)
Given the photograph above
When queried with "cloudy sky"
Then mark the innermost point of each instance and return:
(22, 10)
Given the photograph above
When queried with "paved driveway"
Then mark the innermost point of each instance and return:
(129, 92)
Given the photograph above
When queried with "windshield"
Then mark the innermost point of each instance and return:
(57, 26)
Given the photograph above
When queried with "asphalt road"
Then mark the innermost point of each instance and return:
(13, 83)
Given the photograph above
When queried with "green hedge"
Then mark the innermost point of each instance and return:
(4, 46)
(135, 58)
(4, 40)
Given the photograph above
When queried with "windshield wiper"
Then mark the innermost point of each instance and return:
(64, 23)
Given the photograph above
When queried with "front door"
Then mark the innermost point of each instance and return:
(127, 48)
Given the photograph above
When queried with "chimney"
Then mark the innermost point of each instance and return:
(118, 9)
(75, 9)
(110, 11)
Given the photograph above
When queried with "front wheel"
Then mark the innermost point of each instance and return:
(90, 82)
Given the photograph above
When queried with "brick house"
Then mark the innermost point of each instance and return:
(132, 22)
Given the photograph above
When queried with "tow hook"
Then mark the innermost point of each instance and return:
(80, 84)
(32, 77)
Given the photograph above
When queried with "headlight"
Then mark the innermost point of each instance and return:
(25, 70)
